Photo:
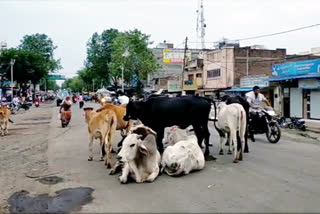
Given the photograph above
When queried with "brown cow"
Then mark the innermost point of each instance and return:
(120, 111)
(101, 125)
(4, 119)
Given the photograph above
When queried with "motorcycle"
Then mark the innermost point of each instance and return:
(297, 124)
(37, 103)
(283, 123)
(14, 108)
(265, 125)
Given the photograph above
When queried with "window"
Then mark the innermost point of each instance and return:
(198, 75)
(213, 73)
(156, 82)
(190, 77)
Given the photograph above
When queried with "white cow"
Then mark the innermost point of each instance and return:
(232, 120)
(182, 156)
(139, 157)
(174, 134)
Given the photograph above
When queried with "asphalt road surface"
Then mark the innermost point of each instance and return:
(282, 177)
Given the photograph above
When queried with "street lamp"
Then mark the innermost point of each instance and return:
(12, 61)
(125, 54)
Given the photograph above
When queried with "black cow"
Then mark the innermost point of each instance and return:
(160, 112)
(246, 106)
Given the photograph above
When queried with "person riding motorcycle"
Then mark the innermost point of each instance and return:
(255, 100)
(65, 111)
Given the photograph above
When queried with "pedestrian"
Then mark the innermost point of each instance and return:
(81, 103)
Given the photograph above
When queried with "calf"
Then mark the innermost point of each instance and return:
(183, 156)
(101, 125)
(232, 121)
(4, 119)
(139, 157)
(120, 110)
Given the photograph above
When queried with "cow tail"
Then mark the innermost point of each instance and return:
(221, 133)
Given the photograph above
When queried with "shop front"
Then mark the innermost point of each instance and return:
(299, 84)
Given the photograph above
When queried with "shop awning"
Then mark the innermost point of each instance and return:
(284, 78)
(246, 89)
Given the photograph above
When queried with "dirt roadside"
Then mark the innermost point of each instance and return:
(23, 156)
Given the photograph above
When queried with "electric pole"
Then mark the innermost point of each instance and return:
(184, 64)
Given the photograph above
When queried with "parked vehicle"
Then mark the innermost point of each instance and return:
(283, 122)
(266, 126)
(297, 124)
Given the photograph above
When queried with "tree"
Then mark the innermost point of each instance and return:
(43, 45)
(140, 61)
(50, 85)
(99, 51)
(29, 66)
(74, 84)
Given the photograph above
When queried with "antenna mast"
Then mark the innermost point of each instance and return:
(200, 24)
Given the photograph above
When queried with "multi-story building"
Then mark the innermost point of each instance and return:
(222, 69)
(169, 76)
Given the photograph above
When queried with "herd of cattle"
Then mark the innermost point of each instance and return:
(165, 121)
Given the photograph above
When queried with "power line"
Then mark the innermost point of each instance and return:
(267, 35)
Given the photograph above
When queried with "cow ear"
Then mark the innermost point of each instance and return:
(143, 149)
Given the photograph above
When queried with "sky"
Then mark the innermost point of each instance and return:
(70, 23)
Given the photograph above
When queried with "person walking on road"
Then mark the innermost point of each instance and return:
(81, 103)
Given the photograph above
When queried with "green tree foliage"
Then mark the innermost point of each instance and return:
(74, 84)
(50, 85)
(99, 50)
(140, 61)
(29, 66)
(43, 45)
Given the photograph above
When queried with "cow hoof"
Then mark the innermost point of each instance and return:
(108, 166)
(246, 151)
(90, 159)
(122, 180)
(240, 159)
(112, 172)
(102, 159)
(221, 153)
(229, 153)
(210, 144)
(210, 158)
(235, 161)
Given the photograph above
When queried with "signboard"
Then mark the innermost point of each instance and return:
(309, 83)
(296, 68)
(174, 85)
(56, 77)
(172, 56)
(251, 81)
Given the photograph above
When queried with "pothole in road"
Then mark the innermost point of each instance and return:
(50, 180)
(65, 201)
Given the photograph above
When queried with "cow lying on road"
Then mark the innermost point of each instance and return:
(4, 119)
(183, 156)
(139, 156)
(232, 120)
(101, 125)
(160, 112)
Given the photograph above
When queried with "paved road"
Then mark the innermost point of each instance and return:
(272, 178)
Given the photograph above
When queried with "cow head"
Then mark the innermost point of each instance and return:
(131, 147)
(87, 112)
(133, 110)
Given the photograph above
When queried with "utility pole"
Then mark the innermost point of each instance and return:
(247, 61)
(12, 61)
(184, 64)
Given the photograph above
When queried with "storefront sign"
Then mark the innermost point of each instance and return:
(175, 56)
(251, 81)
(309, 83)
(296, 68)
(174, 85)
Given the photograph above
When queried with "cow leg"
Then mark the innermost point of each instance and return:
(246, 147)
(103, 152)
(220, 145)
(108, 150)
(6, 132)
(153, 175)
(125, 173)
(90, 148)
(136, 172)
(233, 135)
(206, 134)
(160, 133)
(199, 134)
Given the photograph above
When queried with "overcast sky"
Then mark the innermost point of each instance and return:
(70, 23)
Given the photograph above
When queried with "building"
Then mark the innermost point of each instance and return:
(298, 86)
(169, 75)
(223, 68)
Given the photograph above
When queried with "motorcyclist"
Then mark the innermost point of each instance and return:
(255, 100)
(65, 110)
